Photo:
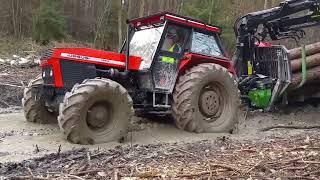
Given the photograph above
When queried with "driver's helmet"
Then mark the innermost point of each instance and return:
(172, 33)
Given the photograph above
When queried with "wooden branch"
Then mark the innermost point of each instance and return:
(295, 168)
(74, 176)
(253, 167)
(146, 175)
(290, 160)
(197, 174)
(28, 177)
(290, 127)
(303, 148)
(5, 103)
(116, 176)
(296, 177)
(226, 167)
(11, 85)
(313, 172)
(309, 162)
(298, 158)
(86, 172)
(30, 172)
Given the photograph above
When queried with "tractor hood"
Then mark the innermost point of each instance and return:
(92, 56)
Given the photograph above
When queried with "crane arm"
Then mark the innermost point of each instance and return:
(285, 21)
(264, 72)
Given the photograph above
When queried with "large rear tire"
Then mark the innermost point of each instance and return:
(34, 109)
(96, 111)
(206, 100)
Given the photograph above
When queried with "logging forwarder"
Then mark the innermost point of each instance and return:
(263, 70)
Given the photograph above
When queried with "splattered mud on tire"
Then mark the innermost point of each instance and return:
(78, 113)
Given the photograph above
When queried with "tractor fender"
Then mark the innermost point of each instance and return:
(192, 59)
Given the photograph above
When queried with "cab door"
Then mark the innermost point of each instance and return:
(167, 59)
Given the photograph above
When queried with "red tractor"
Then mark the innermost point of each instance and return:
(169, 64)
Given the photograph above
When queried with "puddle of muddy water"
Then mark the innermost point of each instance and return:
(20, 140)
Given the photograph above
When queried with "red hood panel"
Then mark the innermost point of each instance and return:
(95, 56)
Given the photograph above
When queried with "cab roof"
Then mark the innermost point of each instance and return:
(163, 16)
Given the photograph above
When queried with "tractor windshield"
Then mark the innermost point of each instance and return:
(144, 43)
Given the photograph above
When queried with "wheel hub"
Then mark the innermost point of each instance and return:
(98, 116)
(209, 103)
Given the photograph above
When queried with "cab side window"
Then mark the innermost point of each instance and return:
(174, 39)
(205, 44)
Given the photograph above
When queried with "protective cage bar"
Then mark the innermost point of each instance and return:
(274, 62)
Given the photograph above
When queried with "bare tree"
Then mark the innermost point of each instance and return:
(181, 6)
(265, 4)
(141, 11)
(121, 2)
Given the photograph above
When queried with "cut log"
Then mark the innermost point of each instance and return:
(310, 50)
(312, 75)
(308, 91)
(311, 61)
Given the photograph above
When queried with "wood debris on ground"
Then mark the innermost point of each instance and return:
(293, 158)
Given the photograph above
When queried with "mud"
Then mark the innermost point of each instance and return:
(153, 147)
(161, 151)
(20, 140)
(12, 80)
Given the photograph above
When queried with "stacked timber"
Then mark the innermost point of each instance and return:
(312, 64)
(311, 87)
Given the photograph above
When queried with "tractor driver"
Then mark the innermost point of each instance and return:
(171, 44)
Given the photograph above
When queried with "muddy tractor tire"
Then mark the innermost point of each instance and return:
(35, 109)
(206, 100)
(96, 111)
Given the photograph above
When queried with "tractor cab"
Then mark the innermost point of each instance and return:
(162, 41)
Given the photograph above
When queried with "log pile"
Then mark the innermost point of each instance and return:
(311, 87)
(312, 63)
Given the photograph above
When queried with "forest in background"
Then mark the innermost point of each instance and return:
(101, 23)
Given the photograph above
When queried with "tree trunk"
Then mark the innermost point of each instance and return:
(120, 24)
(180, 6)
(309, 90)
(311, 61)
(14, 18)
(162, 5)
(103, 18)
(313, 74)
(265, 4)
(211, 11)
(310, 50)
(141, 10)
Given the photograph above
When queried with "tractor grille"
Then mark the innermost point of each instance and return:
(75, 72)
(47, 54)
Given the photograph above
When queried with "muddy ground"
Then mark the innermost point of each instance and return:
(12, 80)
(155, 149)
(159, 150)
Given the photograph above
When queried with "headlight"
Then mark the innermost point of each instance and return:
(43, 74)
(51, 73)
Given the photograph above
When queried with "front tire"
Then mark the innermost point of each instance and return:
(96, 111)
(34, 109)
(206, 100)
